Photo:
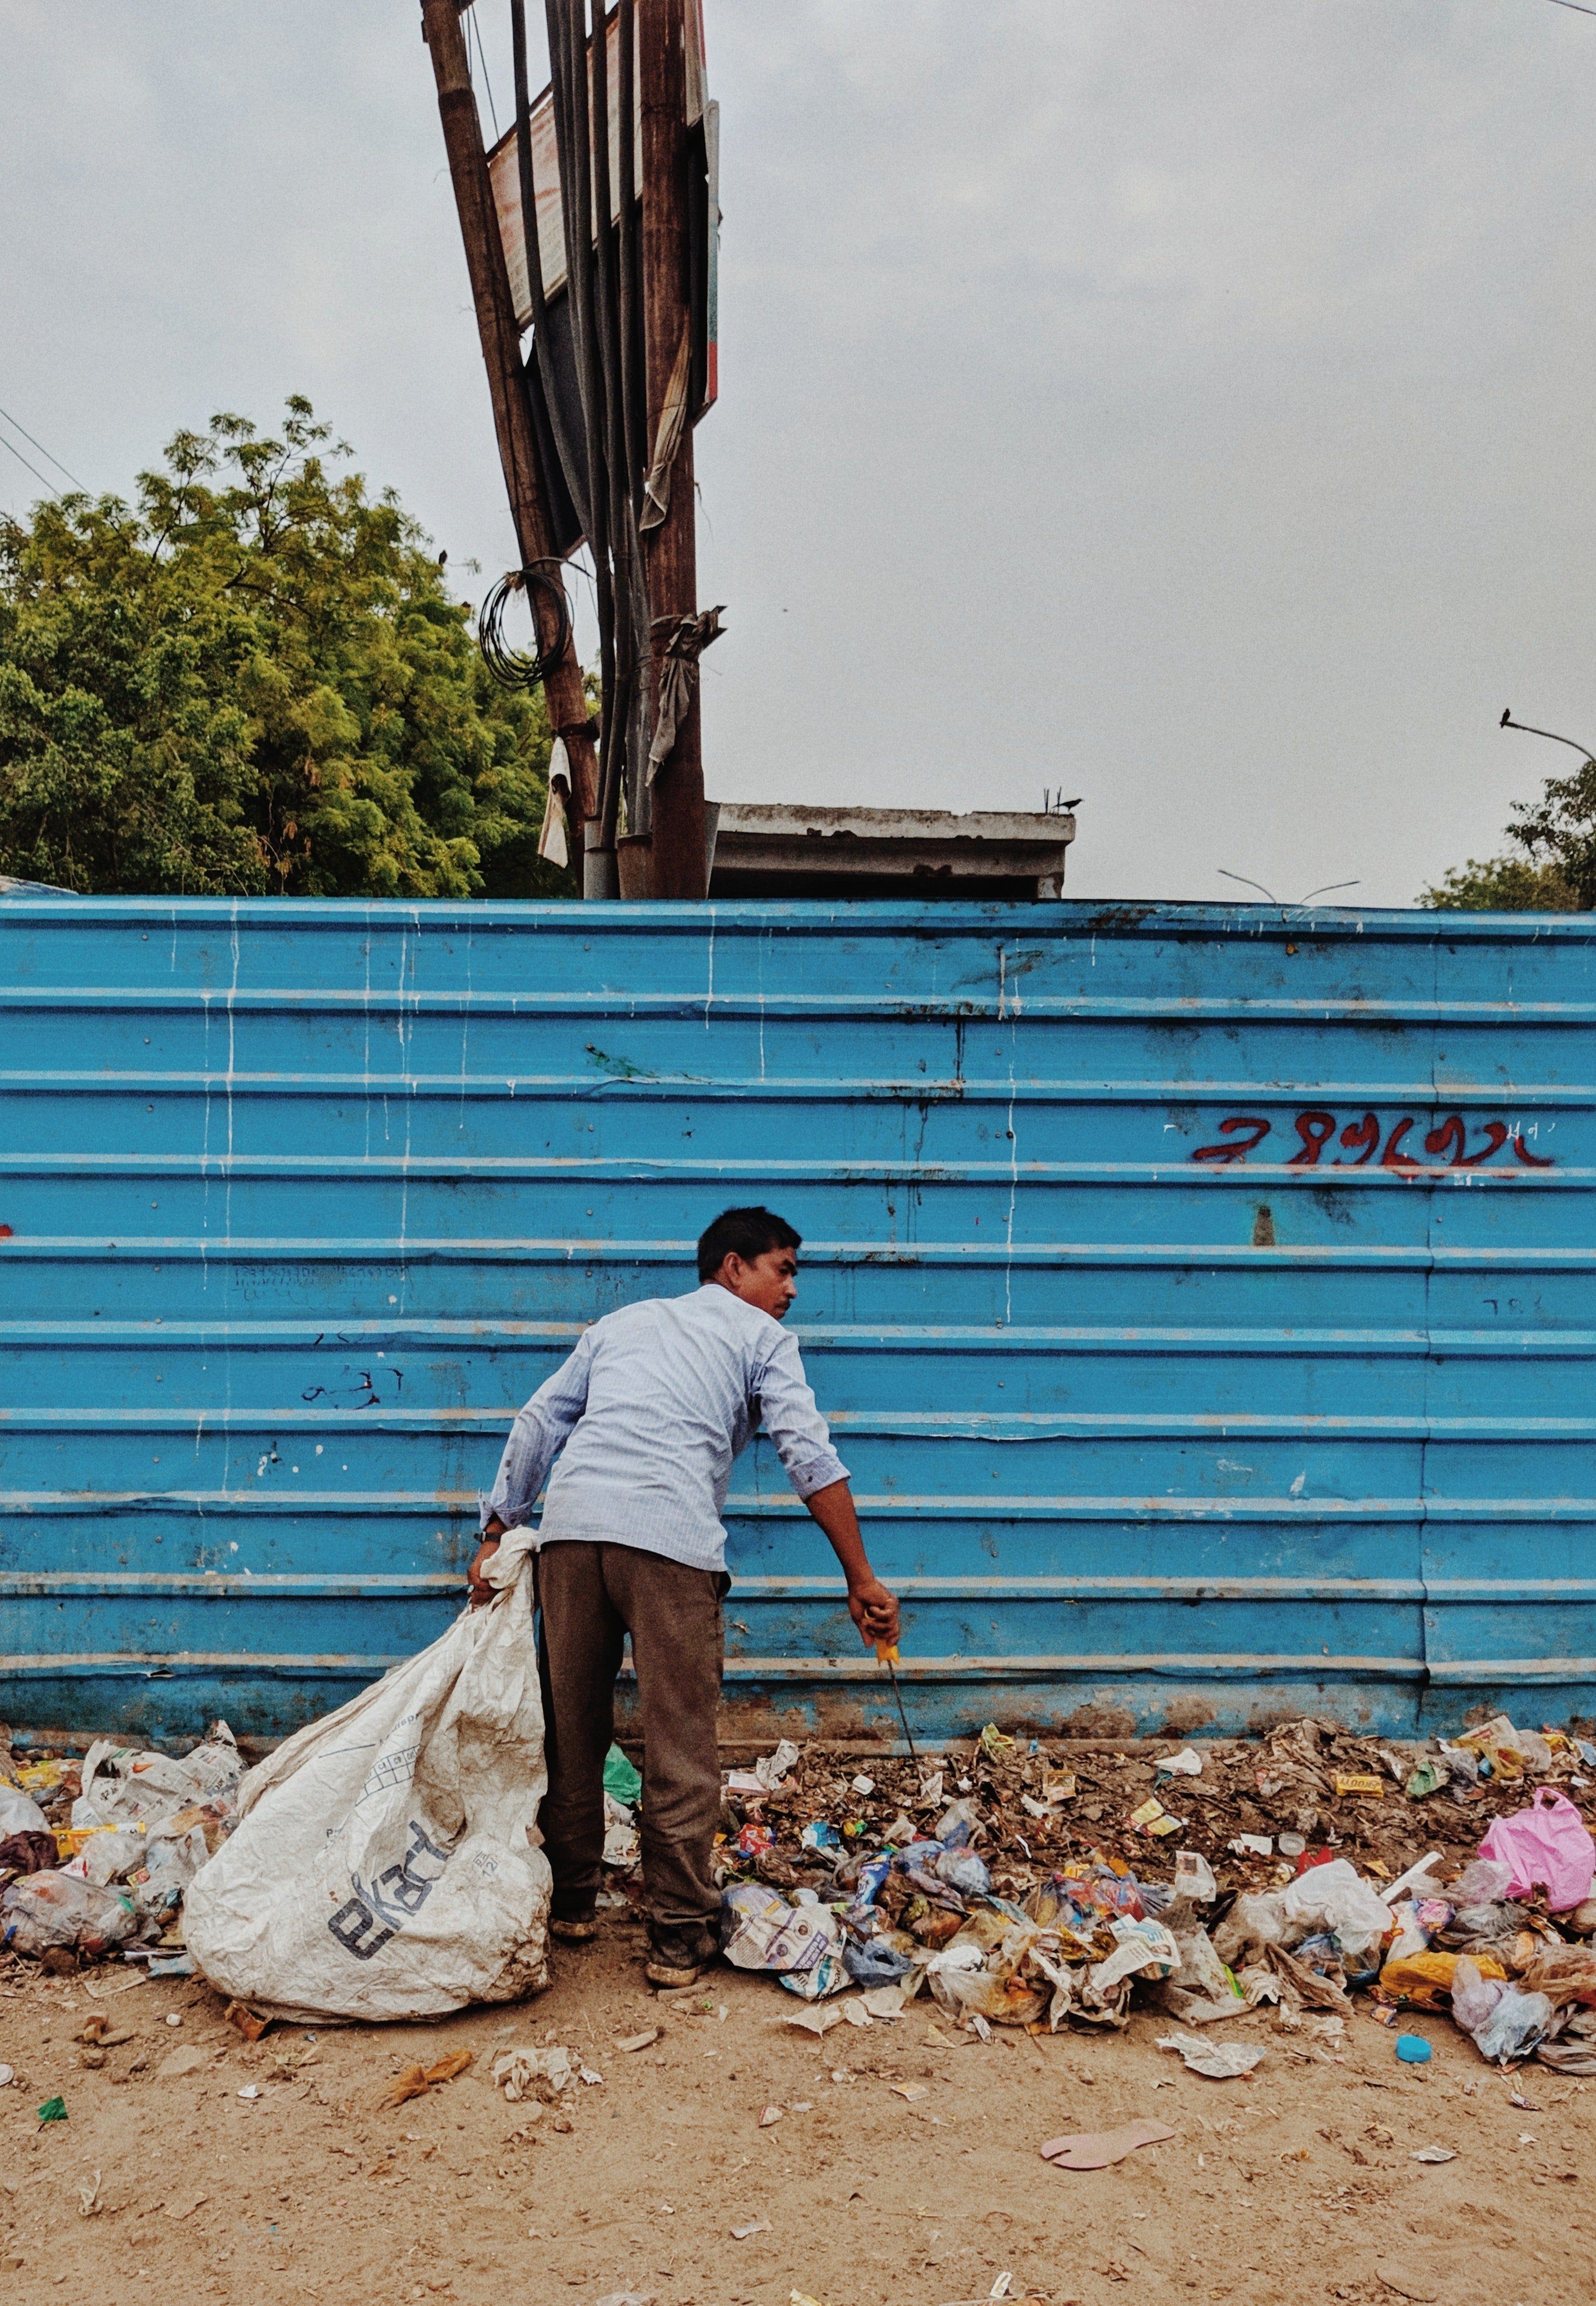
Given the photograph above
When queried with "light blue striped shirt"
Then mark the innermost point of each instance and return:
(650, 1412)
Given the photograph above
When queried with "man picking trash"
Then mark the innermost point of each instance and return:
(649, 1411)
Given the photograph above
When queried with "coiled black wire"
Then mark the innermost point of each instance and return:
(515, 666)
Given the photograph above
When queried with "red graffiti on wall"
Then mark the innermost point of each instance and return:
(1361, 1140)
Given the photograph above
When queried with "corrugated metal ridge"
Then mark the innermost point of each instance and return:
(961, 1088)
(1081, 918)
(998, 1338)
(222, 1585)
(638, 1168)
(996, 1425)
(1161, 1666)
(1166, 1665)
(904, 1337)
(817, 1008)
(412, 1249)
(990, 1508)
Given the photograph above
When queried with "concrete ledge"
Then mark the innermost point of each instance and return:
(779, 848)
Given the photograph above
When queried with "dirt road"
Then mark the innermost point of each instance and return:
(900, 2168)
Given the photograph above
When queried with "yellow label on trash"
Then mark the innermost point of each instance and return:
(1361, 1785)
(69, 1839)
(1143, 1817)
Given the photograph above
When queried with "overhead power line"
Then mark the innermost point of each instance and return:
(33, 468)
(43, 451)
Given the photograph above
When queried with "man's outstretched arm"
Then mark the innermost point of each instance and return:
(539, 1433)
(873, 1609)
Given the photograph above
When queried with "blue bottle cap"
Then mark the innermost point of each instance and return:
(1413, 2049)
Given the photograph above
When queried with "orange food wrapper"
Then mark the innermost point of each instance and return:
(1424, 1979)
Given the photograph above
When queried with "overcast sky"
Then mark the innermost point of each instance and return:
(1184, 402)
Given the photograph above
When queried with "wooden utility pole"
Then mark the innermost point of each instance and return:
(501, 356)
(678, 864)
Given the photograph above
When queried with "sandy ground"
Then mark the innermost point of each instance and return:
(1295, 2183)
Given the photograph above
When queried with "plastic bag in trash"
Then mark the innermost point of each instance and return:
(1475, 1995)
(1202, 1982)
(19, 1813)
(622, 1779)
(381, 1866)
(873, 1962)
(171, 1862)
(1256, 1920)
(964, 1871)
(1546, 1844)
(1483, 1882)
(61, 1909)
(108, 1856)
(1513, 2026)
(964, 1813)
(1564, 1974)
(994, 1986)
(1335, 1897)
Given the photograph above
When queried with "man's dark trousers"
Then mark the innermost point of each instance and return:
(591, 1597)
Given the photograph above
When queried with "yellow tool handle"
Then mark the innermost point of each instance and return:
(886, 1652)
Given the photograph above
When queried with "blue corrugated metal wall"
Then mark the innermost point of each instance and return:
(1201, 1297)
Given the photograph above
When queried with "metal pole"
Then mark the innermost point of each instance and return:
(679, 831)
(501, 356)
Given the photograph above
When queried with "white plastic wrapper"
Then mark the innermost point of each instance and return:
(383, 1865)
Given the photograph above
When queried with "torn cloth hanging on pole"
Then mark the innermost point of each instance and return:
(554, 841)
(656, 488)
(677, 646)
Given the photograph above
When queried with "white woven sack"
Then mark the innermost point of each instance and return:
(384, 1864)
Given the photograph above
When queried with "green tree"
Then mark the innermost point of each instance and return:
(1556, 874)
(253, 681)
(1501, 885)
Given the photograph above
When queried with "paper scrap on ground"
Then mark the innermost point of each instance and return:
(1219, 2061)
(816, 2021)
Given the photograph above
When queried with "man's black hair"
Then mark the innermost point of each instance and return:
(747, 1232)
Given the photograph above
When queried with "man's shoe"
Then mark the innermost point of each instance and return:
(678, 1958)
(574, 1929)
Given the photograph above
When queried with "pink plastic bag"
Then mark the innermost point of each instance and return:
(1546, 1844)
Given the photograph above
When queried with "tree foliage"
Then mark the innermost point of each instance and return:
(1556, 874)
(1501, 885)
(253, 681)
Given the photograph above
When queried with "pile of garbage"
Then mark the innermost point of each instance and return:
(96, 1854)
(989, 1884)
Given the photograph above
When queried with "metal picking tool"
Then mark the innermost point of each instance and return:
(887, 1655)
